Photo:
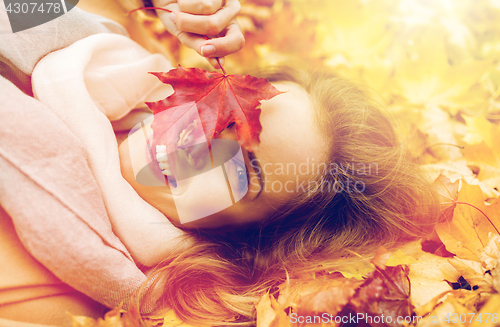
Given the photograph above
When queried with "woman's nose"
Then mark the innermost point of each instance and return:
(229, 133)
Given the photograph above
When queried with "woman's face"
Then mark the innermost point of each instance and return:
(291, 146)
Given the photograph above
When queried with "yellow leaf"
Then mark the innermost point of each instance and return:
(493, 213)
(358, 30)
(490, 254)
(281, 319)
(292, 290)
(480, 129)
(412, 249)
(270, 313)
(495, 274)
(483, 152)
(111, 319)
(265, 313)
(448, 309)
(399, 258)
(424, 76)
(170, 319)
(468, 231)
(486, 163)
(436, 123)
(356, 270)
(359, 269)
(472, 271)
(491, 307)
(454, 170)
(81, 321)
(445, 310)
(428, 278)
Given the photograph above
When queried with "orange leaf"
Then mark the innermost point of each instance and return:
(467, 232)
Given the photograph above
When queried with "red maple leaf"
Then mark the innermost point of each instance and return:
(219, 99)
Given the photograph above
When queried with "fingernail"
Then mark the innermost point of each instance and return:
(173, 17)
(207, 50)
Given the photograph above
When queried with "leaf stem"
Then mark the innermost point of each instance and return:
(168, 10)
(217, 58)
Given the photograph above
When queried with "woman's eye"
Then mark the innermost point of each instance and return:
(241, 173)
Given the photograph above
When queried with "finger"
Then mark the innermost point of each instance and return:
(208, 25)
(163, 3)
(165, 16)
(214, 63)
(190, 40)
(200, 7)
(193, 41)
(167, 4)
(232, 42)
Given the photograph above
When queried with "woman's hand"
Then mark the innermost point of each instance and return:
(190, 20)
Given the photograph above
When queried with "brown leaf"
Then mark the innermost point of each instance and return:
(381, 257)
(433, 244)
(386, 292)
(291, 291)
(330, 301)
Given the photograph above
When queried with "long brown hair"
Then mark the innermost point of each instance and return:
(219, 280)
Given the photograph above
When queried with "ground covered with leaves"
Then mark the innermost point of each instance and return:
(437, 65)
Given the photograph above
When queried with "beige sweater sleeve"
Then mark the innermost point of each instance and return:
(136, 24)
(44, 167)
(29, 292)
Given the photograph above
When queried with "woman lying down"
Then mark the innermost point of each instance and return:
(328, 176)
